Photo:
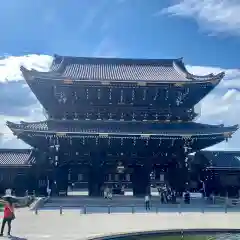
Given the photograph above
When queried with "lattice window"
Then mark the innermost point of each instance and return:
(144, 94)
(156, 95)
(110, 94)
(133, 94)
(87, 93)
(98, 93)
(121, 96)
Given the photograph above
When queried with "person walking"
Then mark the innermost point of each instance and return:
(147, 202)
(8, 217)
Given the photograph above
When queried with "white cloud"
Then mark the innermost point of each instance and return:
(17, 101)
(10, 66)
(217, 16)
(220, 106)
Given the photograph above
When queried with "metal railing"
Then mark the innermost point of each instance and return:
(216, 204)
(134, 209)
(231, 202)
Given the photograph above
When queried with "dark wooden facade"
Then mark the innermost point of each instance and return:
(220, 170)
(18, 170)
(105, 113)
(15, 167)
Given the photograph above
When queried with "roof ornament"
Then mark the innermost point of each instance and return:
(26, 73)
(227, 135)
(141, 83)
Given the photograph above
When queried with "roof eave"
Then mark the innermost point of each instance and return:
(227, 132)
(17, 131)
(15, 165)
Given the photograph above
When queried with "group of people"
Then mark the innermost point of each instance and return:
(167, 195)
(116, 189)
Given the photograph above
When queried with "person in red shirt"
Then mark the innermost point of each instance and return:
(7, 217)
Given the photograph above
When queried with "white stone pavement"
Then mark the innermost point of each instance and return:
(72, 225)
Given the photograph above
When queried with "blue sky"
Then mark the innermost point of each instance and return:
(205, 33)
(124, 28)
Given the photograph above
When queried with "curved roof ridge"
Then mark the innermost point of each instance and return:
(112, 60)
(206, 77)
(56, 63)
(181, 68)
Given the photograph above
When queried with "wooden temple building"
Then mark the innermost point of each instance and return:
(112, 120)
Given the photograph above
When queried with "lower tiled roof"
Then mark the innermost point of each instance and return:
(15, 157)
(223, 159)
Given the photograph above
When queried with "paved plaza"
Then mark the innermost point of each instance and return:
(73, 225)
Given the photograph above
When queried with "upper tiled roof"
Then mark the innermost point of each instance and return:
(15, 157)
(223, 159)
(111, 127)
(118, 69)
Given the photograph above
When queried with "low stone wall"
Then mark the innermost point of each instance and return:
(24, 201)
(21, 202)
(163, 233)
(38, 203)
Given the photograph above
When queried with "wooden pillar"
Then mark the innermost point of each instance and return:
(141, 180)
(62, 178)
(178, 174)
(96, 174)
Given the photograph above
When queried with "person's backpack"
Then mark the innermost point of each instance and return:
(12, 217)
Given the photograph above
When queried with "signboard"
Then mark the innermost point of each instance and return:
(68, 81)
